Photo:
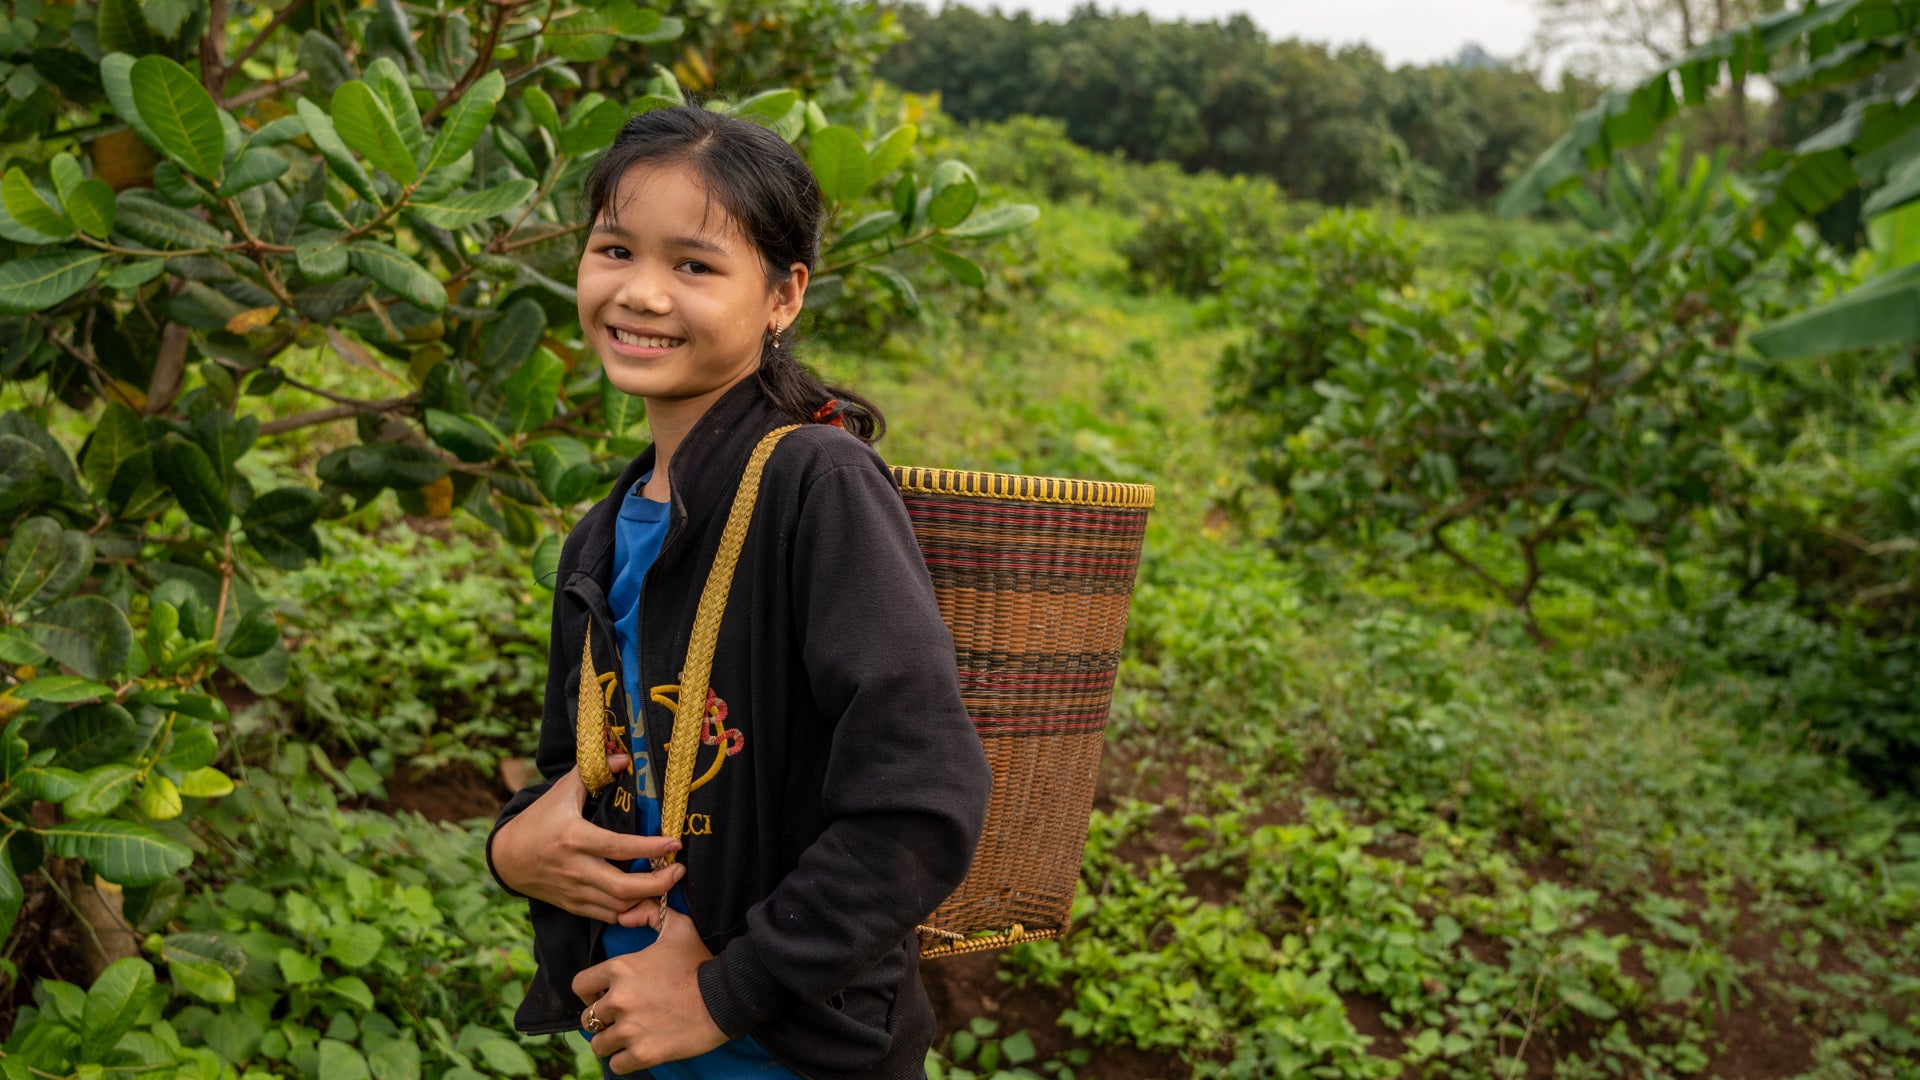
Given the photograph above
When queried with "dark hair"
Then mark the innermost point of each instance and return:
(769, 192)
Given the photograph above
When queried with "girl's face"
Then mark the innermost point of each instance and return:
(673, 297)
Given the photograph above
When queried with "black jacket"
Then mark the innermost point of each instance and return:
(850, 790)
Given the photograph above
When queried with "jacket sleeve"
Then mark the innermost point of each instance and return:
(554, 753)
(906, 785)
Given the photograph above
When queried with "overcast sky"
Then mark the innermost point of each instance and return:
(1403, 31)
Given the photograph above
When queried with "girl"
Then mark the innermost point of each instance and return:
(841, 789)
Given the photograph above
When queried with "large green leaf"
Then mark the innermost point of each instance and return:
(513, 337)
(102, 789)
(91, 206)
(27, 207)
(11, 894)
(120, 27)
(382, 465)
(892, 149)
(867, 229)
(123, 852)
(118, 438)
(257, 166)
(340, 160)
(386, 80)
(478, 206)
(114, 1003)
(564, 468)
(116, 76)
(593, 130)
(363, 122)
(204, 964)
(897, 284)
(180, 113)
(38, 282)
(195, 481)
(465, 436)
(153, 222)
(466, 121)
(89, 735)
(960, 268)
(321, 256)
(86, 633)
(955, 191)
(399, 274)
(531, 394)
(619, 410)
(590, 34)
(840, 162)
(1884, 311)
(43, 562)
(279, 525)
(997, 222)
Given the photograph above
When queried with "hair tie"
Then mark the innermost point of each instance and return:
(829, 414)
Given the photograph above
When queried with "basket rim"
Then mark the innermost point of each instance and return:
(919, 480)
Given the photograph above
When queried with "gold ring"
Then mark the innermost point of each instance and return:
(594, 1023)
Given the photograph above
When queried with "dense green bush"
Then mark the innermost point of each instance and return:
(1190, 230)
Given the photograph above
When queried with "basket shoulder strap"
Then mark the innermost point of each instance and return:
(691, 712)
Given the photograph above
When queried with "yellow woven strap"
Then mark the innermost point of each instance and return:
(691, 714)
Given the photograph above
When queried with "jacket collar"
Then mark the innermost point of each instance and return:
(704, 473)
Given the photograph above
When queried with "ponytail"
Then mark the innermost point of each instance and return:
(798, 392)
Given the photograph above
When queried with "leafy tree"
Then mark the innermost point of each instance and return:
(1579, 388)
(208, 206)
(1872, 147)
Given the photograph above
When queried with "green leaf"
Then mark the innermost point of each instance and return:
(593, 131)
(49, 784)
(159, 799)
(280, 523)
(38, 282)
(121, 27)
(397, 273)
(322, 257)
(130, 276)
(354, 945)
(478, 206)
(167, 16)
(151, 221)
(298, 968)
(255, 167)
(206, 782)
(114, 1004)
(102, 790)
(340, 159)
(1884, 311)
(43, 562)
(839, 162)
(960, 268)
(364, 124)
(545, 565)
(91, 206)
(386, 80)
(867, 229)
(187, 469)
(514, 335)
(999, 221)
(505, 1056)
(353, 989)
(86, 633)
(467, 439)
(256, 632)
(265, 674)
(67, 175)
(381, 465)
(202, 981)
(116, 76)
(564, 469)
(892, 149)
(531, 394)
(339, 1061)
(180, 113)
(897, 284)
(12, 895)
(466, 121)
(123, 852)
(955, 191)
(90, 735)
(1018, 1048)
(768, 106)
(61, 689)
(118, 438)
(619, 410)
(542, 108)
(25, 206)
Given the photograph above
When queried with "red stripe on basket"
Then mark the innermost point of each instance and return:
(1016, 681)
(1097, 567)
(1107, 522)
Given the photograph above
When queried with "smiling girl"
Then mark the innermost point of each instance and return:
(842, 789)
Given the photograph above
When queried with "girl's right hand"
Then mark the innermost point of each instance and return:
(553, 853)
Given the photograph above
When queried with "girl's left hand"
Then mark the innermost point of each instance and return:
(650, 1001)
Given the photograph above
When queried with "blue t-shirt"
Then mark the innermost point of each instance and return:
(636, 544)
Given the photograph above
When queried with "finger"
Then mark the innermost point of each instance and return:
(634, 888)
(570, 786)
(625, 846)
(644, 913)
(617, 763)
(594, 981)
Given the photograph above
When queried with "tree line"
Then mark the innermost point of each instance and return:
(1335, 125)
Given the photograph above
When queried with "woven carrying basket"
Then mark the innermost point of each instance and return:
(1034, 576)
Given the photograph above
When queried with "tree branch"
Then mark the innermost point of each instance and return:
(481, 61)
(279, 19)
(336, 412)
(265, 90)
